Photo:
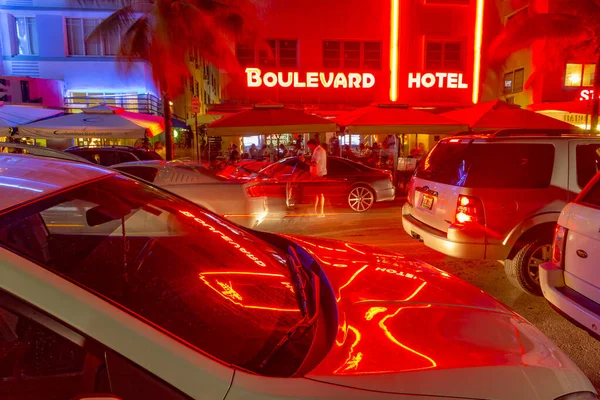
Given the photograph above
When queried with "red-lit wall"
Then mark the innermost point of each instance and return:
(313, 21)
(422, 22)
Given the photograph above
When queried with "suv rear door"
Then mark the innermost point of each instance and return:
(512, 180)
(582, 252)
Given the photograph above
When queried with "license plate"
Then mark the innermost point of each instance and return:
(427, 202)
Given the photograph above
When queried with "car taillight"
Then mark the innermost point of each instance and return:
(469, 209)
(410, 192)
(256, 191)
(558, 248)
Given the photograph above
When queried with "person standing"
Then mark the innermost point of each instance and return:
(159, 148)
(234, 154)
(318, 170)
(253, 151)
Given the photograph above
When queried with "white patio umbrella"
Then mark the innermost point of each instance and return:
(12, 116)
(99, 122)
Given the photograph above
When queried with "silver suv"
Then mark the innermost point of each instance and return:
(498, 195)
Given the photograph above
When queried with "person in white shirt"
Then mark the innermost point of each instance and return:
(318, 169)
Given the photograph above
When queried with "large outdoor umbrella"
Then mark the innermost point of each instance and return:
(12, 116)
(575, 106)
(100, 121)
(396, 119)
(269, 119)
(495, 115)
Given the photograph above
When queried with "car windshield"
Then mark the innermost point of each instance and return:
(203, 280)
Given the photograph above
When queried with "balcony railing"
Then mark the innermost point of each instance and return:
(141, 103)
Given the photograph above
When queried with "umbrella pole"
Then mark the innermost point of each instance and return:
(396, 150)
(198, 155)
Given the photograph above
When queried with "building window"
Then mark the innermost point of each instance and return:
(245, 56)
(508, 82)
(372, 55)
(332, 54)
(79, 29)
(577, 75)
(26, 36)
(519, 80)
(513, 81)
(351, 54)
(283, 53)
(444, 55)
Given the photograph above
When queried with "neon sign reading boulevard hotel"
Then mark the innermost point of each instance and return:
(351, 80)
(310, 79)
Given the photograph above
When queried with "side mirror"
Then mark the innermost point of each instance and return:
(96, 396)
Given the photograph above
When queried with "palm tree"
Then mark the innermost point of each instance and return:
(571, 30)
(163, 33)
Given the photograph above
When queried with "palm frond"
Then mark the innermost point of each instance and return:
(535, 27)
(135, 44)
(138, 6)
(116, 23)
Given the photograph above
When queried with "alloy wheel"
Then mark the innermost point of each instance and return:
(361, 199)
(541, 255)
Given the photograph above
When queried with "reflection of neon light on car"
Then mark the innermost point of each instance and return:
(391, 337)
(373, 311)
(397, 273)
(224, 237)
(352, 361)
(224, 288)
(349, 282)
(355, 249)
(229, 291)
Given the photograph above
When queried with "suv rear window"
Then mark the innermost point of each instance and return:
(588, 163)
(489, 165)
(592, 197)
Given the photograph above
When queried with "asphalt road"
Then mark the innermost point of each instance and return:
(382, 227)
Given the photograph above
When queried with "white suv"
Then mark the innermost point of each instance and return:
(571, 282)
(498, 196)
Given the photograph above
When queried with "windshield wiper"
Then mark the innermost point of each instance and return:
(306, 322)
(299, 286)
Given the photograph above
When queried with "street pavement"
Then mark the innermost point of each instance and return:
(382, 227)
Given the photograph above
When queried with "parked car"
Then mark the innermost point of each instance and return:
(113, 287)
(347, 182)
(571, 281)
(244, 170)
(111, 155)
(198, 184)
(40, 151)
(498, 196)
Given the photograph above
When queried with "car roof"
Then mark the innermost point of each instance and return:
(24, 178)
(143, 163)
(41, 151)
(524, 134)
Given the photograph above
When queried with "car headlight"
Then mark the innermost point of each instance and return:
(579, 396)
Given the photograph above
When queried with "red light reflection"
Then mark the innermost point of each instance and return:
(352, 361)
(349, 282)
(227, 292)
(352, 248)
(373, 311)
(224, 237)
(391, 337)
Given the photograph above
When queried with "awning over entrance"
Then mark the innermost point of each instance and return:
(396, 119)
(268, 119)
(498, 114)
(97, 122)
(12, 116)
